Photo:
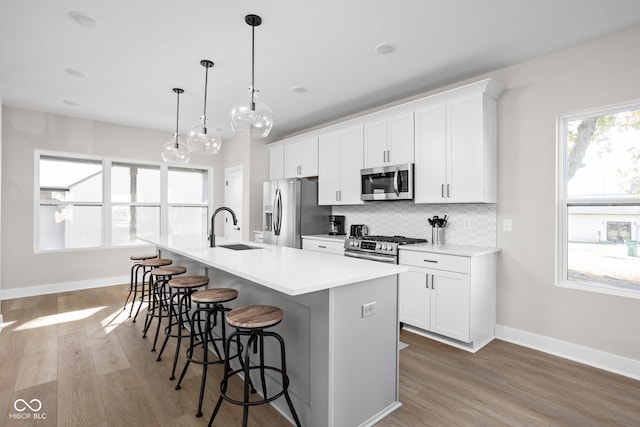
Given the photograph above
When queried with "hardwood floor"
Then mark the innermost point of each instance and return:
(83, 359)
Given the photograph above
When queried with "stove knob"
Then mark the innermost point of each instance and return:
(390, 248)
(356, 244)
(378, 246)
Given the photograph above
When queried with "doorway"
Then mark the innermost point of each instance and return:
(233, 193)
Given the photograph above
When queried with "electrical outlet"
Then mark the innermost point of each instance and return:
(369, 309)
(507, 224)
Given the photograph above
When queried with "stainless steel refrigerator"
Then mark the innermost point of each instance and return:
(291, 210)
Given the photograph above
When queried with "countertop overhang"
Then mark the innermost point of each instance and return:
(287, 270)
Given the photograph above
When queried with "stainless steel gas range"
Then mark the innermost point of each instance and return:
(377, 248)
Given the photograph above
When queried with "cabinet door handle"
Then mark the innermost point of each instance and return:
(299, 168)
(337, 199)
(384, 156)
(430, 260)
(322, 247)
(427, 277)
(433, 281)
(388, 156)
(442, 191)
(448, 195)
(339, 195)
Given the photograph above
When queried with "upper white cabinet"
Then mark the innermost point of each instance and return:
(276, 161)
(339, 164)
(455, 145)
(388, 138)
(301, 157)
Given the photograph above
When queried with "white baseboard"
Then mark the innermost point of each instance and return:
(52, 288)
(589, 356)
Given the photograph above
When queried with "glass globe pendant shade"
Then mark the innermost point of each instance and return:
(204, 140)
(252, 116)
(175, 151)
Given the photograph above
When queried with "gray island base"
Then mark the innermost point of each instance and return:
(342, 353)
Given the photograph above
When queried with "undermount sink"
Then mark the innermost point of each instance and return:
(239, 247)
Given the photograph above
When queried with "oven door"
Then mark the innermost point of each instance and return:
(387, 183)
(391, 259)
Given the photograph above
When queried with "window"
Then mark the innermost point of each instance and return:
(135, 197)
(599, 201)
(71, 204)
(85, 202)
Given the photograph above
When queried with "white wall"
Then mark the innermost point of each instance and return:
(24, 131)
(252, 155)
(594, 74)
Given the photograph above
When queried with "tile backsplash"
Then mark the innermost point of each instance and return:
(468, 224)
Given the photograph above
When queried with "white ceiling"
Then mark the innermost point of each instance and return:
(141, 49)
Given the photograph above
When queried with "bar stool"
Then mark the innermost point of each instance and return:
(181, 289)
(209, 304)
(159, 296)
(251, 321)
(133, 284)
(147, 266)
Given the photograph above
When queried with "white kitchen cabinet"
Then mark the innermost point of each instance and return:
(415, 298)
(455, 145)
(276, 161)
(389, 138)
(331, 246)
(301, 157)
(339, 164)
(449, 298)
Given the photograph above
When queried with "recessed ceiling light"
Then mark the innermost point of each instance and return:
(71, 103)
(75, 73)
(298, 89)
(384, 48)
(82, 18)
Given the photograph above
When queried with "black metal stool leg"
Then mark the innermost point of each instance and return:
(144, 273)
(133, 287)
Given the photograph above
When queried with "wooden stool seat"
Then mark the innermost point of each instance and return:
(143, 257)
(168, 270)
(189, 282)
(254, 316)
(213, 296)
(156, 262)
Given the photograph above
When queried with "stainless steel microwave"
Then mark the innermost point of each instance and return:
(387, 183)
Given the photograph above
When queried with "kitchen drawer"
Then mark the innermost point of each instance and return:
(336, 248)
(459, 264)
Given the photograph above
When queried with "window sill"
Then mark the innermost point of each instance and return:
(602, 288)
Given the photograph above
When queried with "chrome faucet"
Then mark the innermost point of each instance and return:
(212, 236)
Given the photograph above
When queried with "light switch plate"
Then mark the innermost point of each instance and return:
(507, 224)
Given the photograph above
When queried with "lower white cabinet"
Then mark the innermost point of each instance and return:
(320, 245)
(450, 298)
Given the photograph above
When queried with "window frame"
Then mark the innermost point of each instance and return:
(107, 204)
(563, 202)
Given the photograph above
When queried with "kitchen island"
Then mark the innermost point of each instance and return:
(340, 322)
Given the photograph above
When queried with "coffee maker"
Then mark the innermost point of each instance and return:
(336, 225)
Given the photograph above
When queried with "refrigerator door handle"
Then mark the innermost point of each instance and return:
(277, 217)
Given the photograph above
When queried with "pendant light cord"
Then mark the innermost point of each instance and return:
(177, 117)
(204, 114)
(253, 60)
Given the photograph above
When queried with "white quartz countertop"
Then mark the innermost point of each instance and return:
(451, 249)
(327, 237)
(287, 270)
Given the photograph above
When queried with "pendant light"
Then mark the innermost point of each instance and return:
(252, 115)
(201, 139)
(176, 151)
